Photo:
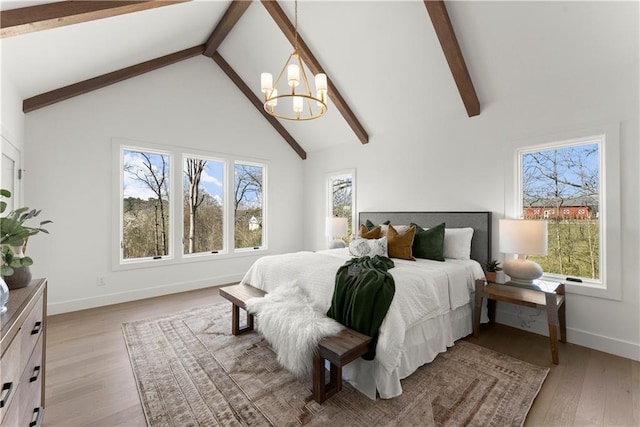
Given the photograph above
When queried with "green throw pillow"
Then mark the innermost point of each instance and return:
(429, 244)
(371, 225)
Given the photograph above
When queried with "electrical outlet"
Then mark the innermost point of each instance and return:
(101, 281)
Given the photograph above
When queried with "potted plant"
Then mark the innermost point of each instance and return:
(490, 270)
(13, 241)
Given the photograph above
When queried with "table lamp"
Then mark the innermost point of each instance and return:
(523, 237)
(336, 229)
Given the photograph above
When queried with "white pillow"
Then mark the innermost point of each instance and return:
(457, 243)
(368, 247)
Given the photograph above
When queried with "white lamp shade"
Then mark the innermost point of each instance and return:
(336, 227)
(266, 82)
(293, 75)
(321, 81)
(298, 104)
(523, 236)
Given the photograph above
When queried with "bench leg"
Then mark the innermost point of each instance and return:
(321, 390)
(235, 321)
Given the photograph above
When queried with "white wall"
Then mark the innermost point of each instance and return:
(459, 163)
(69, 176)
(11, 116)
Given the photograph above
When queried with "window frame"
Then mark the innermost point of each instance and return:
(178, 154)
(232, 224)
(170, 248)
(225, 200)
(330, 177)
(609, 286)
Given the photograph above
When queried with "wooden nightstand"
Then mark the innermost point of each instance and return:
(548, 296)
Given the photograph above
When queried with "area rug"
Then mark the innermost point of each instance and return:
(191, 371)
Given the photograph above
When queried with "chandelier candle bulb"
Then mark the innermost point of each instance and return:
(293, 75)
(297, 104)
(273, 98)
(266, 82)
(321, 82)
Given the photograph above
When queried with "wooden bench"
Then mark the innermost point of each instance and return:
(338, 350)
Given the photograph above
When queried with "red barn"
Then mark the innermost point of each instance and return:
(569, 212)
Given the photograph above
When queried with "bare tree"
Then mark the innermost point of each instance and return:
(193, 172)
(561, 177)
(156, 179)
(248, 181)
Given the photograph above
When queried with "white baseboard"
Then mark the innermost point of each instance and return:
(127, 296)
(538, 324)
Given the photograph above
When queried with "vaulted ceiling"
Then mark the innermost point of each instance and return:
(384, 59)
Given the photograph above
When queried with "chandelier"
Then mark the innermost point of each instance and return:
(297, 101)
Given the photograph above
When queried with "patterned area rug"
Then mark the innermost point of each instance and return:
(191, 371)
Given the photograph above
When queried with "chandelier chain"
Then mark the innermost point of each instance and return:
(295, 8)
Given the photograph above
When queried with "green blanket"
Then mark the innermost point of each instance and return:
(362, 295)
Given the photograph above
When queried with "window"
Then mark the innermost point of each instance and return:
(145, 204)
(203, 206)
(573, 181)
(248, 206)
(165, 220)
(341, 199)
(561, 184)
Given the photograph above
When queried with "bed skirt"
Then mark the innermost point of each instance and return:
(423, 342)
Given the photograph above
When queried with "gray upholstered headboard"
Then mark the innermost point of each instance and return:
(479, 221)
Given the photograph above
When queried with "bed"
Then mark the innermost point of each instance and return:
(431, 309)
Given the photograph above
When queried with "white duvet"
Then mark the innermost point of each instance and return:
(425, 289)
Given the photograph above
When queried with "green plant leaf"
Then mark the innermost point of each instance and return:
(5, 270)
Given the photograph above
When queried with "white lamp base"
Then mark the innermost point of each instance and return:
(522, 271)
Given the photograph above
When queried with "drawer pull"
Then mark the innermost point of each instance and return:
(5, 396)
(37, 414)
(36, 374)
(36, 328)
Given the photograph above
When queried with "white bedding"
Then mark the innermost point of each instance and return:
(426, 293)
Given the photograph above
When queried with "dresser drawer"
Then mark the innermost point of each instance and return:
(32, 329)
(11, 368)
(30, 388)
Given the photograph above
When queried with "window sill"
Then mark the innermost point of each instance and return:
(136, 265)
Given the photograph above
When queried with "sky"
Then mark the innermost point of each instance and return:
(589, 163)
(212, 179)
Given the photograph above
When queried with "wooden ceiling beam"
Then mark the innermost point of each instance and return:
(235, 10)
(89, 85)
(257, 102)
(289, 31)
(447, 37)
(14, 22)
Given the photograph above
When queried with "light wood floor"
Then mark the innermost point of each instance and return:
(90, 382)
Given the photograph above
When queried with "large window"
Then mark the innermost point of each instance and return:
(248, 206)
(341, 199)
(562, 184)
(162, 219)
(203, 207)
(572, 180)
(145, 205)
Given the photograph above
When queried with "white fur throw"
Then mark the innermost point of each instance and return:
(293, 326)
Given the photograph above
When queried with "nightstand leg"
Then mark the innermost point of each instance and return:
(477, 307)
(561, 315)
(563, 324)
(552, 315)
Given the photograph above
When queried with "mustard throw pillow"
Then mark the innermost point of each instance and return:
(399, 245)
(374, 233)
